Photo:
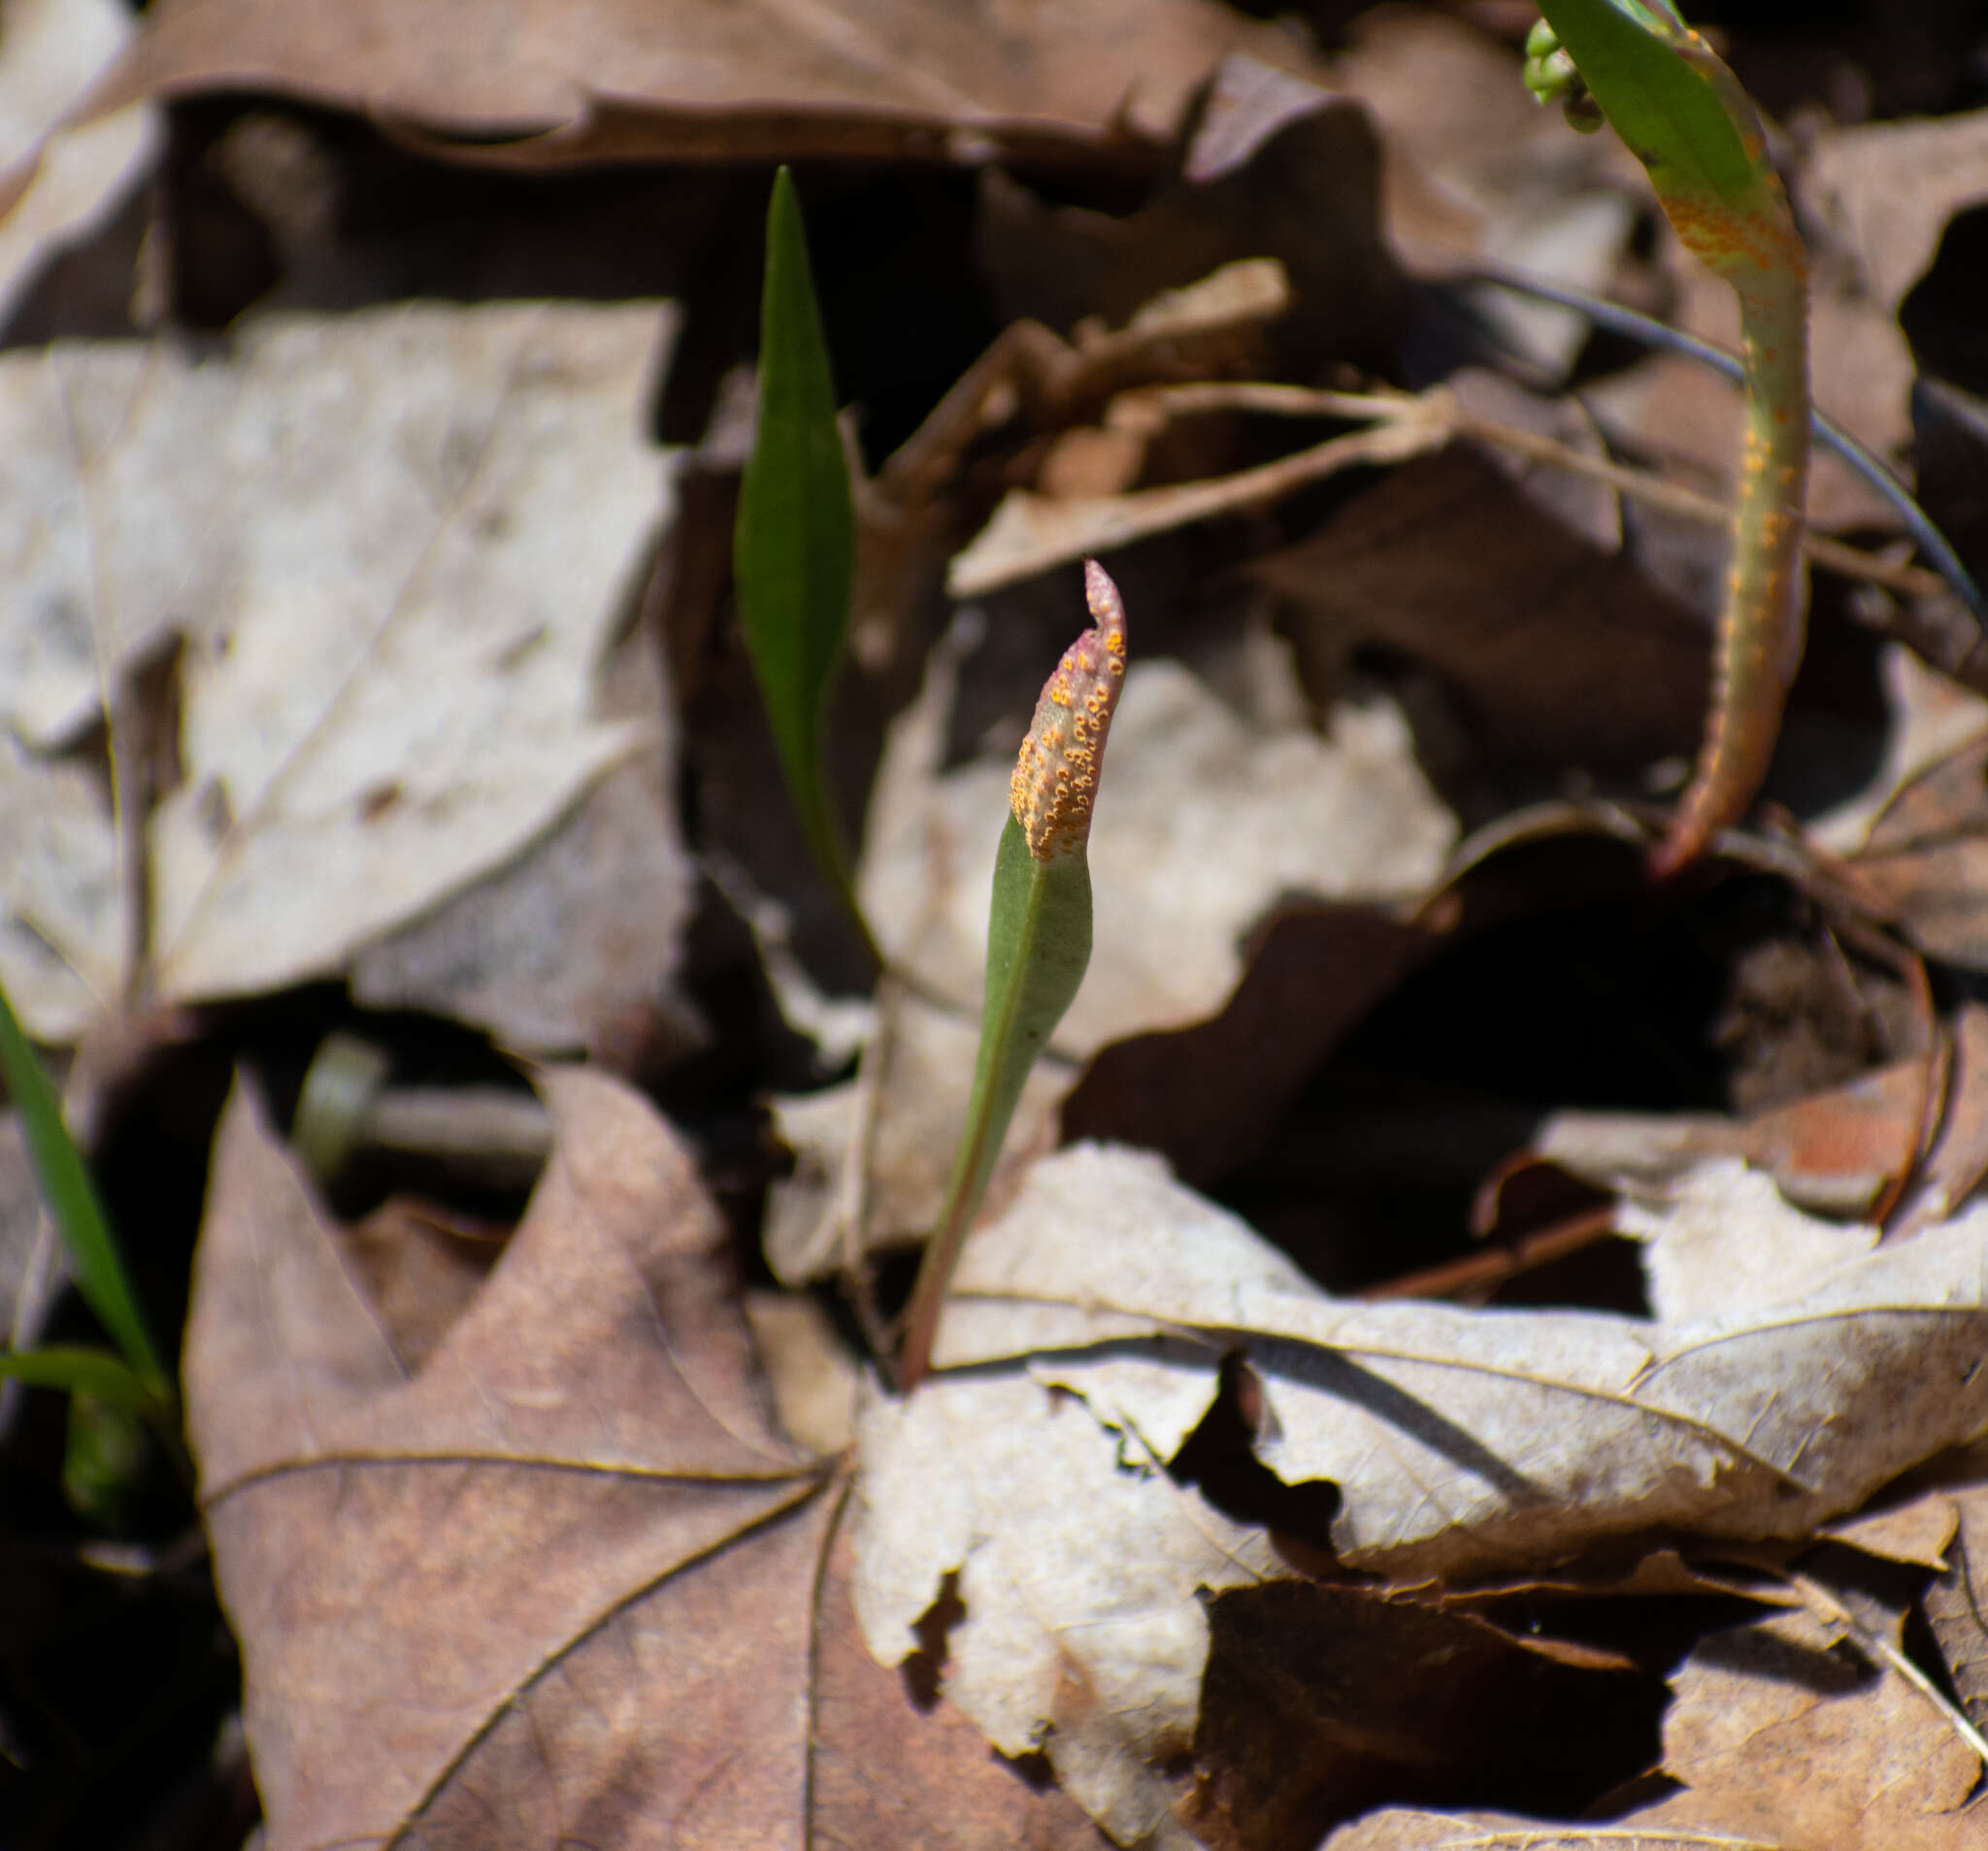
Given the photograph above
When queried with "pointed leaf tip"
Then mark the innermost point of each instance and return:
(1057, 775)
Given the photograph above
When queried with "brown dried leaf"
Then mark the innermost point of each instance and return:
(1919, 1531)
(1321, 1701)
(1956, 1603)
(1273, 166)
(859, 78)
(1450, 563)
(1889, 189)
(564, 1577)
(1925, 862)
(1777, 1735)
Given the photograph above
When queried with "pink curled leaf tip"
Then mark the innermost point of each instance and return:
(1056, 775)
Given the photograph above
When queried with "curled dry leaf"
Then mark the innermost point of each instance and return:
(564, 1580)
(1836, 1152)
(1956, 1603)
(1462, 1443)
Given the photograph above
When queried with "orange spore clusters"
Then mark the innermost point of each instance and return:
(1057, 775)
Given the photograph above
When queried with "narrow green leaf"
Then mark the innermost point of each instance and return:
(1038, 945)
(1038, 930)
(72, 1200)
(95, 1372)
(794, 547)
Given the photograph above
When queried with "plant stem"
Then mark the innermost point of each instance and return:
(1039, 931)
(1761, 622)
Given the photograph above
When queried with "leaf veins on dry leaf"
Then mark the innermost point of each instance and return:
(565, 1583)
(393, 549)
(1462, 1443)
(569, 1578)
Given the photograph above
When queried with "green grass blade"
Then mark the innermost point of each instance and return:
(72, 1200)
(95, 1372)
(1039, 932)
(794, 547)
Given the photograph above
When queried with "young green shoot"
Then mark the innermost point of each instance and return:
(133, 1379)
(794, 544)
(1685, 117)
(1038, 930)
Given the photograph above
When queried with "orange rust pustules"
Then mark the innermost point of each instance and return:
(1056, 775)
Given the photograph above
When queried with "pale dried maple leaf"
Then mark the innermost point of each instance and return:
(1461, 1443)
(394, 544)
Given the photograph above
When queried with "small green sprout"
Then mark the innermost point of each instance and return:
(110, 1391)
(1686, 117)
(1039, 929)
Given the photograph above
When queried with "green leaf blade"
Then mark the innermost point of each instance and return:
(794, 544)
(1663, 97)
(1038, 947)
(72, 1201)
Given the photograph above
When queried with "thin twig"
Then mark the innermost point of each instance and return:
(1298, 401)
(1828, 434)
(1493, 1268)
